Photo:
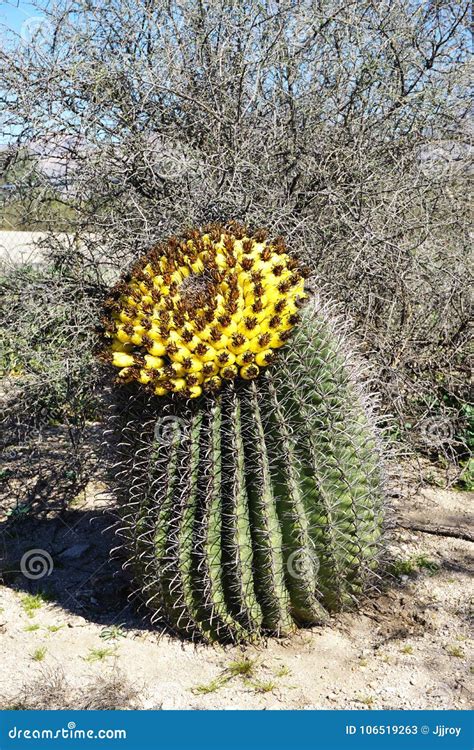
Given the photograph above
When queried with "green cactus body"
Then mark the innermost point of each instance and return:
(259, 508)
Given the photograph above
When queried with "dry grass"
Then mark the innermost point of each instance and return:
(50, 690)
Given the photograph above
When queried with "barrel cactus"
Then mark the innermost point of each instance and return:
(248, 463)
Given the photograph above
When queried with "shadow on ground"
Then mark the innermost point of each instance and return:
(67, 559)
(56, 530)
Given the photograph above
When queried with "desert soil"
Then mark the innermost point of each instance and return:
(83, 643)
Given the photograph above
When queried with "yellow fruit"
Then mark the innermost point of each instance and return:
(208, 355)
(153, 363)
(117, 346)
(249, 372)
(122, 336)
(196, 365)
(276, 341)
(120, 359)
(194, 391)
(191, 345)
(158, 349)
(179, 384)
(181, 354)
(178, 369)
(177, 329)
(229, 372)
(229, 329)
(154, 334)
(264, 357)
(242, 359)
(213, 383)
(226, 358)
(210, 368)
(238, 348)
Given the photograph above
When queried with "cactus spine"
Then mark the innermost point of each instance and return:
(256, 507)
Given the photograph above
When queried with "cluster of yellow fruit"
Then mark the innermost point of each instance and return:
(202, 308)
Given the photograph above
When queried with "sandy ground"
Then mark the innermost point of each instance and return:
(27, 247)
(20, 247)
(407, 647)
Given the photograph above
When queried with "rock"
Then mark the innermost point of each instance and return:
(74, 552)
(78, 622)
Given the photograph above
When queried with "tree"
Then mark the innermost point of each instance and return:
(341, 125)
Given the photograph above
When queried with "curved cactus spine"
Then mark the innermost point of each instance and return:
(262, 508)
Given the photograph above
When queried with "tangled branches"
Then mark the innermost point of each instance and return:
(339, 125)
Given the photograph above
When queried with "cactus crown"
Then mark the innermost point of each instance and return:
(208, 306)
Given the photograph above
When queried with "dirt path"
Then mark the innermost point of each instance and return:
(408, 647)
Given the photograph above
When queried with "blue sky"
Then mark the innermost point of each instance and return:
(13, 13)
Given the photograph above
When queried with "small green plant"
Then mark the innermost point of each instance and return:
(261, 686)
(112, 633)
(413, 565)
(31, 628)
(367, 700)
(454, 650)
(406, 649)
(433, 480)
(98, 654)
(466, 479)
(32, 602)
(242, 667)
(210, 687)
(19, 511)
(39, 654)
(282, 671)
(54, 628)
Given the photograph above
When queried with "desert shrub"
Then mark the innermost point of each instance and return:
(340, 125)
(46, 347)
